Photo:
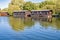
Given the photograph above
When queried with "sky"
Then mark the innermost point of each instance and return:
(4, 3)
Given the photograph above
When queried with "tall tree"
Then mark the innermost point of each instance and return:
(47, 5)
(5, 9)
(29, 6)
(52, 0)
(58, 6)
(15, 5)
(17, 2)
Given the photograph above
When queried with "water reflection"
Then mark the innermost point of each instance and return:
(29, 28)
(20, 23)
(44, 22)
(42, 19)
(54, 23)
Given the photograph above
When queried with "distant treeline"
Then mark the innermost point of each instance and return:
(22, 5)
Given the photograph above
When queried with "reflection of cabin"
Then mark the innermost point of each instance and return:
(4, 14)
(33, 13)
(42, 19)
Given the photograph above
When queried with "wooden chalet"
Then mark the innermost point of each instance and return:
(33, 13)
(4, 14)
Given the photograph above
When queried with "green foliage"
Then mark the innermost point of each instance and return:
(44, 3)
(29, 6)
(15, 5)
(4, 10)
(18, 2)
(58, 6)
(21, 5)
(13, 8)
(47, 5)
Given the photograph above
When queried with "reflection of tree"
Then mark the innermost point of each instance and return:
(54, 24)
(45, 22)
(19, 24)
(28, 22)
(57, 23)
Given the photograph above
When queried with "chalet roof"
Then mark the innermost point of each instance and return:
(4, 12)
(31, 10)
(40, 10)
(20, 11)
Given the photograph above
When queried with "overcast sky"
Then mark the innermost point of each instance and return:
(4, 3)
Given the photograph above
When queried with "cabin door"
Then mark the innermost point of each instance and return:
(28, 14)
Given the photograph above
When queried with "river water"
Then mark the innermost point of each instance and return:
(12, 28)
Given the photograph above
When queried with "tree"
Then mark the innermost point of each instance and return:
(18, 2)
(21, 5)
(5, 9)
(13, 8)
(47, 5)
(29, 6)
(15, 5)
(58, 6)
(54, 1)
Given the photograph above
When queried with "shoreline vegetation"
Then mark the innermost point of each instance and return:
(22, 5)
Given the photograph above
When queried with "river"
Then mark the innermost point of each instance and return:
(12, 28)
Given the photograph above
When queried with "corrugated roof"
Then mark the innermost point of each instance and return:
(40, 10)
(31, 10)
(20, 10)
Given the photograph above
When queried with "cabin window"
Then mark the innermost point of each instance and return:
(19, 13)
(41, 13)
(22, 13)
(45, 13)
(35, 12)
(15, 13)
(32, 13)
(38, 12)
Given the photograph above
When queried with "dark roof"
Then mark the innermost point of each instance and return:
(31, 10)
(40, 10)
(21, 11)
